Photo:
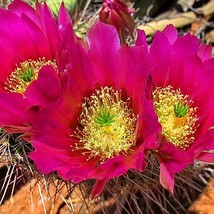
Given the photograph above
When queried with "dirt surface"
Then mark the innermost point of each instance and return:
(205, 203)
(26, 202)
(33, 198)
(39, 201)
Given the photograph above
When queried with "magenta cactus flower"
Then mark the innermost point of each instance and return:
(117, 13)
(96, 109)
(31, 41)
(97, 128)
(182, 78)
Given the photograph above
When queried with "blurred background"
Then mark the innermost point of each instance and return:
(21, 194)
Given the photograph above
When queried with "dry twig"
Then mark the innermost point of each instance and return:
(178, 21)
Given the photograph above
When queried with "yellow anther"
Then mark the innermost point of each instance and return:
(108, 125)
(24, 74)
(176, 116)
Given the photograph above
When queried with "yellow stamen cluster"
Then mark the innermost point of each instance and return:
(176, 116)
(24, 74)
(108, 125)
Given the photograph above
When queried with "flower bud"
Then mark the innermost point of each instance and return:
(117, 13)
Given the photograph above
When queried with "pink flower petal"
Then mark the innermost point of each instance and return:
(159, 58)
(205, 52)
(21, 8)
(10, 116)
(48, 81)
(166, 177)
(171, 33)
(13, 27)
(49, 26)
(103, 42)
(98, 188)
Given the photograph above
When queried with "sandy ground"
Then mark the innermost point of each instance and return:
(27, 202)
(205, 203)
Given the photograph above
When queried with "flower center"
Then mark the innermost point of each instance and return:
(108, 125)
(176, 116)
(23, 75)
